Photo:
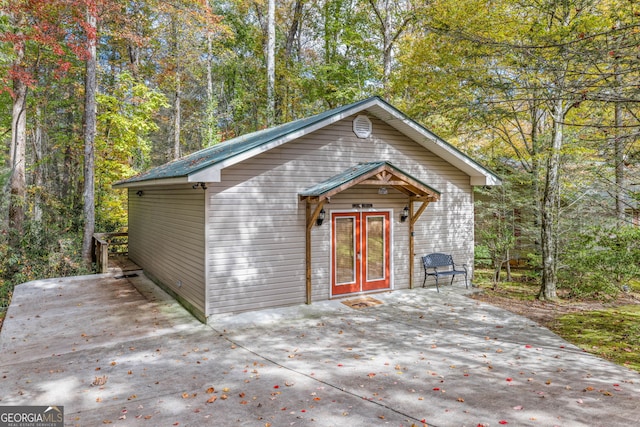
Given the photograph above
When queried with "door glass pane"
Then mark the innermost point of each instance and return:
(375, 248)
(345, 250)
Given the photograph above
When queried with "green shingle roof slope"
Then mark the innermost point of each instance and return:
(353, 173)
(202, 159)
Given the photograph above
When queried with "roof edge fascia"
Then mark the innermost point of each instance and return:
(153, 182)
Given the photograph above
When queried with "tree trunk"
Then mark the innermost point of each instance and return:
(294, 29)
(177, 108)
(17, 156)
(619, 158)
(90, 111)
(39, 169)
(550, 206)
(177, 112)
(271, 62)
(210, 125)
(619, 144)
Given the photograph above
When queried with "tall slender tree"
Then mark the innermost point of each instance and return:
(17, 152)
(271, 61)
(90, 112)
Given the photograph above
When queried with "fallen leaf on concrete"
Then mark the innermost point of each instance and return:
(98, 381)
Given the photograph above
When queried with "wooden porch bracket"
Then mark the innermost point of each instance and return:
(311, 220)
(413, 218)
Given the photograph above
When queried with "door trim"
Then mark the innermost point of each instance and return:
(360, 217)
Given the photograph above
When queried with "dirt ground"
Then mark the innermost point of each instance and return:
(546, 313)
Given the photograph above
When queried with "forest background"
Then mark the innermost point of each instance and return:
(544, 92)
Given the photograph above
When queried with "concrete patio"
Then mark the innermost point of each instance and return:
(120, 351)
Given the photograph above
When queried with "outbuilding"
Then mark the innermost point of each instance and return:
(341, 203)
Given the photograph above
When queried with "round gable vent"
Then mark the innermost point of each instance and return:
(362, 127)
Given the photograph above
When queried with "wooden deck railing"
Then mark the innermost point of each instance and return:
(108, 243)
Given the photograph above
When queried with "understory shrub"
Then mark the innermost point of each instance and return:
(43, 254)
(601, 261)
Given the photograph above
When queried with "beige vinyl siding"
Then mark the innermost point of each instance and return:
(166, 239)
(256, 227)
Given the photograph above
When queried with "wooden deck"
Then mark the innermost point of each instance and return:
(122, 262)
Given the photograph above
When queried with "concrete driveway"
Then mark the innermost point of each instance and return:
(121, 352)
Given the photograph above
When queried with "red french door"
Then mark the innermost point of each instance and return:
(359, 252)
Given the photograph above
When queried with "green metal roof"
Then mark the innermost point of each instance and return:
(362, 172)
(203, 165)
(202, 159)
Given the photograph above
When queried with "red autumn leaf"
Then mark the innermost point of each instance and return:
(502, 422)
(527, 346)
(276, 386)
(509, 379)
(436, 389)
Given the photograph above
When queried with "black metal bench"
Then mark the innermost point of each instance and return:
(439, 264)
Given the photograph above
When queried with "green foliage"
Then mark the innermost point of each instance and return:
(495, 214)
(481, 255)
(45, 252)
(601, 261)
(125, 120)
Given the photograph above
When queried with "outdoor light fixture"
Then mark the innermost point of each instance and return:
(199, 184)
(139, 193)
(320, 218)
(405, 214)
(382, 190)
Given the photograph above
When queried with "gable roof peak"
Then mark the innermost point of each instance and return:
(205, 165)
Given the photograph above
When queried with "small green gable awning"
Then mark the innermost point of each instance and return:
(381, 174)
